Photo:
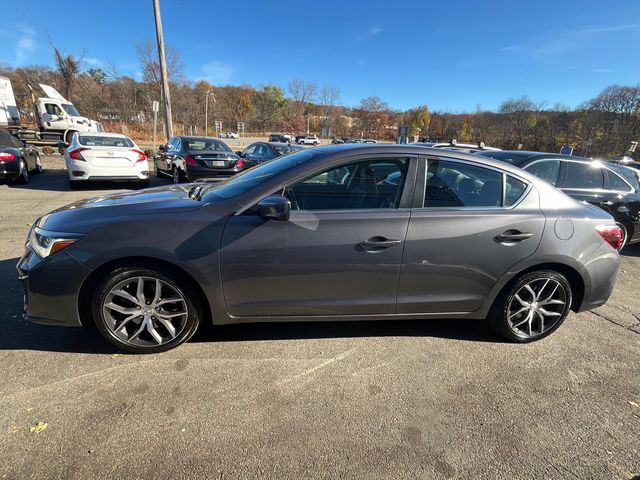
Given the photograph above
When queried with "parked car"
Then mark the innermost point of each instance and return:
(279, 138)
(319, 235)
(228, 135)
(369, 140)
(259, 152)
(337, 141)
(308, 140)
(111, 157)
(289, 137)
(17, 159)
(190, 158)
(613, 188)
(625, 162)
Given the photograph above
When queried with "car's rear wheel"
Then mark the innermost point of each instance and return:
(146, 309)
(23, 176)
(39, 167)
(532, 307)
(177, 175)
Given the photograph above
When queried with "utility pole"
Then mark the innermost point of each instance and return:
(168, 122)
(206, 111)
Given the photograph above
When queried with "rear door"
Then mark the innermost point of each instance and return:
(339, 254)
(585, 181)
(469, 225)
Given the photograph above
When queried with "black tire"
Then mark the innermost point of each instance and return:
(143, 184)
(176, 175)
(39, 167)
(76, 184)
(175, 280)
(69, 136)
(500, 311)
(23, 176)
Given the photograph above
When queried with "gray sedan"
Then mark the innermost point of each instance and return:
(345, 232)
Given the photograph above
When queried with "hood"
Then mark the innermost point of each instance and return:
(72, 217)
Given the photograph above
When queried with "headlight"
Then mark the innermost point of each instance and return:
(45, 243)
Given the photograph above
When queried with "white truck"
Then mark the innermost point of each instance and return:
(57, 119)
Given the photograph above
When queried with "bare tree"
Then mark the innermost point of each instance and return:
(68, 67)
(329, 95)
(148, 58)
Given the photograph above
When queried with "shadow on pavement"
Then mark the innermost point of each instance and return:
(57, 181)
(631, 250)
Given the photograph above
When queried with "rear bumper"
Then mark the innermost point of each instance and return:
(90, 173)
(9, 170)
(196, 172)
(51, 287)
(139, 178)
(599, 277)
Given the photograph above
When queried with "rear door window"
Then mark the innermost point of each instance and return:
(583, 176)
(547, 170)
(456, 184)
(617, 183)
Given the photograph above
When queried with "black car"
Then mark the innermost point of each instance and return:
(626, 162)
(259, 152)
(17, 159)
(278, 137)
(191, 158)
(614, 188)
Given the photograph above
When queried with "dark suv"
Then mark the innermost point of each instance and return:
(614, 188)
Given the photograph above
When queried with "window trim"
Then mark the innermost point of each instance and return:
(503, 173)
(610, 172)
(406, 199)
(548, 159)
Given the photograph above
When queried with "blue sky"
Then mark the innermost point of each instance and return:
(451, 57)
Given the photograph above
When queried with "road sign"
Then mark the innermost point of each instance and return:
(240, 127)
(218, 125)
(566, 151)
(155, 106)
(325, 132)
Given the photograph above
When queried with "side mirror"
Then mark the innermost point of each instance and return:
(275, 207)
(239, 153)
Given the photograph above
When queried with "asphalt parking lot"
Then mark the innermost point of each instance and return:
(388, 400)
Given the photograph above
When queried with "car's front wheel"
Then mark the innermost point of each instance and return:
(177, 175)
(532, 307)
(146, 309)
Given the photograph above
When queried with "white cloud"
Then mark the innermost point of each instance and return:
(26, 44)
(601, 70)
(94, 62)
(370, 34)
(218, 72)
(613, 28)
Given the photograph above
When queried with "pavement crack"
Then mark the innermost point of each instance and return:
(604, 317)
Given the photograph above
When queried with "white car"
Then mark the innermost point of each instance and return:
(308, 140)
(228, 135)
(105, 157)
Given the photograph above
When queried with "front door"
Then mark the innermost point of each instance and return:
(474, 223)
(339, 254)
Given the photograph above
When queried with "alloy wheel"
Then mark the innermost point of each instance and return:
(24, 172)
(145, 311)
(39, 167)
(536, 307)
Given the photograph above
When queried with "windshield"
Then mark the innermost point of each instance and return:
(102, 141)
(255, 176)
(205, 144)
(71, 110)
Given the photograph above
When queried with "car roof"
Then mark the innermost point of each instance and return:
(323, 152)
(193, 137)
(102, 134)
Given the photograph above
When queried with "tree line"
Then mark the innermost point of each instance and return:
(602, 126)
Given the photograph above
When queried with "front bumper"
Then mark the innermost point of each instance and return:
(51, 287)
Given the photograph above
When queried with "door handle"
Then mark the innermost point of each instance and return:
(606, 203)
(377, 244)
(511, 236)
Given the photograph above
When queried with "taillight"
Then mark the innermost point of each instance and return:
(142, 157)
(612, 234)
(189, 160)
(7, 156)
(240, 163)
(77, 153)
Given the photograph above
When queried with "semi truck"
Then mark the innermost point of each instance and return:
(57, 119)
